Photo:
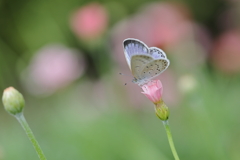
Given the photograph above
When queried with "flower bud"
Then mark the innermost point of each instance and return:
(13, 101)
(162, 111)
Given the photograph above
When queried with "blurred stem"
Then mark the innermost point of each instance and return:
(21, 119)
(170, 139)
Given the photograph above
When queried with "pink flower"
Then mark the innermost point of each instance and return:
(153, 90)
(53, 67)
(90, 21)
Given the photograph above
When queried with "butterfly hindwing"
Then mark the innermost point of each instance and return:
(155, 68)
(157, 53)
(138, 63)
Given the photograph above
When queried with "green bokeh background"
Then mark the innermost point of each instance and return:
(72, 124)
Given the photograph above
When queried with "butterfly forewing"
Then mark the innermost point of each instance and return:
(134, 47)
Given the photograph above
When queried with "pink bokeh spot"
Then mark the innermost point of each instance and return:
(226, 52)
(153, 90)
(53, 67)
(90, 21)
(168, 23)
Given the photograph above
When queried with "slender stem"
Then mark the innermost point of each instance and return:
(21, 119)
(170, 140)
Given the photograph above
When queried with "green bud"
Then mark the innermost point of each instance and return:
(162, 111)
(13, 101)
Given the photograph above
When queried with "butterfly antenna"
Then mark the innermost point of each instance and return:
(125, 74)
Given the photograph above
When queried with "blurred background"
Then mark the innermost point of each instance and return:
(65, 58)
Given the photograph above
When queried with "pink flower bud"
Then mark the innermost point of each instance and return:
(153, 90)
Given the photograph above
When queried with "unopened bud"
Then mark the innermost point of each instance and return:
(13, 101)
(162, 111)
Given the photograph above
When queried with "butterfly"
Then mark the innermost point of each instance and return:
(144, 62)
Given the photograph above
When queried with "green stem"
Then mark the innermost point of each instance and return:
(170, 140)
(21, 119)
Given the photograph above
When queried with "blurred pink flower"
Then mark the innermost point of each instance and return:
(159, 24)
(226, 52)
(89, 21)
(53, 67)
(153, 90)
(164, 25)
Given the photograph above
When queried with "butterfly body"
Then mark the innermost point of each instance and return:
(144, 62)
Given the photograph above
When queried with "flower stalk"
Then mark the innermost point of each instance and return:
(153, 90)
(170, 139)
(21, 119)
(14, 104)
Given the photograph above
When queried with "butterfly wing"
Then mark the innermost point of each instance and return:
(145, 63)
(159, 64)
(134, 47)
(145, 68)
(157, 53)
(155, 68)
(138, 64)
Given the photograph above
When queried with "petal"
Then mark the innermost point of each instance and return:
(160, 92)
(149, 97)
(159, 84)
